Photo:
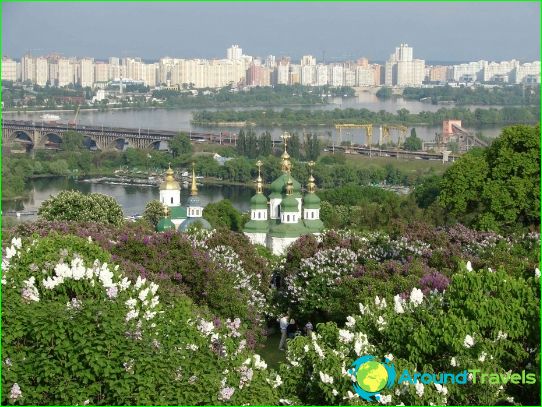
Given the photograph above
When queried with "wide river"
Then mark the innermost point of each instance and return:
(179, 119)
(134, 198)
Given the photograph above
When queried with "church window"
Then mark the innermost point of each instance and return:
(288, 216)
(171, 199)
(259, 215)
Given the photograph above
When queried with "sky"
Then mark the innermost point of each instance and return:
(455, 32)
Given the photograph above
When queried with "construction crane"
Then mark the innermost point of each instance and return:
(368, 128)
(386, 135)
(74, 121)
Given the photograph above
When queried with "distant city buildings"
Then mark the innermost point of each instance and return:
(239, 70)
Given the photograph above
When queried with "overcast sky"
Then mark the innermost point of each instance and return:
(437, 31)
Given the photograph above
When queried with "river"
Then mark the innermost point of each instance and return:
(179, 119)
(132, 198)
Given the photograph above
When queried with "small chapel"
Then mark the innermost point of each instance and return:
(177, 217)
(286, 214)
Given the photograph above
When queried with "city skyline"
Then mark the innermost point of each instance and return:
(493, 31)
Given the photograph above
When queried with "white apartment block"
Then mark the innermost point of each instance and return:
(283, 73)
(28, 70)
(41, 65)
(308, 75)
(85, 72)
(308, 60)
(101, 72)
(66, 72)
(335, 77)
(349, 76)
(9, 70)
(234, 53)
(531, 69)
(499, 71)
(471, 71)
(321, 75)
(402, 70)
(365, 76)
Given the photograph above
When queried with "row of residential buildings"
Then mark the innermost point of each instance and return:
(401, 70)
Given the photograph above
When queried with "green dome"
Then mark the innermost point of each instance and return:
(311, 201)
(258, 201)
(185, 225)
(165, 224)
(278, 186)
(289, 204)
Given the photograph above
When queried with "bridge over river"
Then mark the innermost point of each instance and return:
(49, 135)
(42, 135)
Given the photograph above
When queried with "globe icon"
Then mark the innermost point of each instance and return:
(372, 376)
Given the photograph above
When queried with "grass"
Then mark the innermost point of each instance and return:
(271, 353)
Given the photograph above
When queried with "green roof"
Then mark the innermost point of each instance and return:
(165, 224)
(256, 226)
(177, 212)
(258, 201)
(278, 186)
(289, 204)
(287, 229)
(314, 225)
(311, 201)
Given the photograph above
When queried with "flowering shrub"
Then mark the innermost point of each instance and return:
(322, 283)
(76, 331)
(485, 320)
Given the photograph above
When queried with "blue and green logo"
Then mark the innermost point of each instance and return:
(372, 376)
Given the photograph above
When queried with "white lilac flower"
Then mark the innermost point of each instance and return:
(502, 335)
(468, 342)
(86, 402)
(139, 282)
(453, 362)
(15, 392)
(112, 292)
(259, 363)
(469, 266)
(277, 382)
(537, 272)
(510, 399)
(382, 399)
(192, 379)
(325, 378)
(389, 356)
(419, 389)
(306, 348)
(149, 315)
(362, 308)
(29, 291)
(143, 294)
(17, 242)
(131, 303)
(482, 357)
(318, 350)
(226, 393)
(345, 336)
(416, 296)
(74, 304)
(132, 314)
(10, 252)
(398, 304)
(350, 321)
(206, 327)
(350, 395)
(124, 284)
(192, 346)
(381, 322)
(334, 392)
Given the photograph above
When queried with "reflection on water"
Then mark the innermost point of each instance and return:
(132, 198)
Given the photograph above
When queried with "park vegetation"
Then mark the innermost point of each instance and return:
(100, 312)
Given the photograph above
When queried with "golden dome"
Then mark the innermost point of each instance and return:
(169, 182)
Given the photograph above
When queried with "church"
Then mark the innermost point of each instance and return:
(280, 219)
(178, 217)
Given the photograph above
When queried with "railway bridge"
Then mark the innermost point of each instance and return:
(40, 135)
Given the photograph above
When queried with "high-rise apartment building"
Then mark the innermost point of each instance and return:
(258, 75)
(335, 76)
(85, 72)
(402, 70)
(41, 66)
(234, 53)
(529, 72)
(101, 72)
(28, 69)
(9, 69)
(282, 72)
(321, 75)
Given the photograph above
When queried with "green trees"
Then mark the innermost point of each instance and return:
(154, 211)
(384, 93)
(222, 214)
(180, 144)
(265, 144)
(413, 142)
(75, 206)
(312, 147)
(499, 187)
(72, 141)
